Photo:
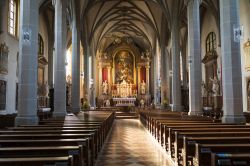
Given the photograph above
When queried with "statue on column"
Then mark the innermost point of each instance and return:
(105, 87)
(143, 87)
(216, 86)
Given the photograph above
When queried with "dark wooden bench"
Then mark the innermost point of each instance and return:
(203, 151)
(96, 138)
(230, 159)
(101, 134)
(164, 131)
(169, 130)
(52, 142)
(53, 136)
(189, 144)
(50, 151)
(37, 161)
(178, 144)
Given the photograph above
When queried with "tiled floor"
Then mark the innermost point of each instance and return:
(129, 144)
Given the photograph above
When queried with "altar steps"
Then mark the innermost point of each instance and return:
(126, 115)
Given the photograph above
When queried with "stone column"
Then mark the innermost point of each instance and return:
(176, 80)
(231, 63)
(28, 48)
(147, 78)
(60, 51)
(194, 53)
(75, 92)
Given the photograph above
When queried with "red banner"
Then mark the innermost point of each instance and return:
(104, 74)
(143, 74)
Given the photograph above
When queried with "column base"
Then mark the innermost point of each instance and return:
(75, 109)
(233, 119)
(177, 108)
(59, 114)
(23, 120)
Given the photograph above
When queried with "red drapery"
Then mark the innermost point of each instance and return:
(143, 74)
(104, 74)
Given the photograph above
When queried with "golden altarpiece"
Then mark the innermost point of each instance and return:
(123, 72)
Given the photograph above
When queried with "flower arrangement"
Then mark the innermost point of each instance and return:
(85, 105)
(165, 103)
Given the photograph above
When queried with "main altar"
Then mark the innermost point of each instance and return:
(123, 76)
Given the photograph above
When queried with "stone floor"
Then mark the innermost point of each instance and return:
(129, 144)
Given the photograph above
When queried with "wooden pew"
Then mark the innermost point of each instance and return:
(164, 131)
(189, 144)
(176, 135)
(52, 142)
(169, 129)
(100, 132)
(96, 138)
(53, 136)
(37, 161)
(230, 159)
(203, 151)
(49, 151)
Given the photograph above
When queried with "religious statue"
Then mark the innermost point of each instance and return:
(107, 103)
(142, 102)
(105, 87)
(216, 86)
(46, 89)
(143, 87)
(203, 89)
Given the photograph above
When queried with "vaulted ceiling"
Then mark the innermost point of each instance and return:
(144, 21)
(107, 20)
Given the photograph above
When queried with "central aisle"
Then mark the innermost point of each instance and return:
(129, 144)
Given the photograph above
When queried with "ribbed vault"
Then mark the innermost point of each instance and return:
(107, 20)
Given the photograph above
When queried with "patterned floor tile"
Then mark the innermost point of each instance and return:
(129, 144)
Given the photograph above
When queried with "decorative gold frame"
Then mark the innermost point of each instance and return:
(247, 55)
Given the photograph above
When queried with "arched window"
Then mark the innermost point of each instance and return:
(211, 42)
(40, 45)
(13, 17)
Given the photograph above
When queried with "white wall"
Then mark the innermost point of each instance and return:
(11, 78)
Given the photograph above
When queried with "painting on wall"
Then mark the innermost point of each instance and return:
(124, 67)
(247, 55)
(4, 50)
(3, 85)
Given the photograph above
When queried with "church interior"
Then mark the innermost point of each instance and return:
(124, 83)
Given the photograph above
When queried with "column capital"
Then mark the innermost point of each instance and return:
(188, 2)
